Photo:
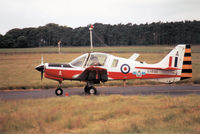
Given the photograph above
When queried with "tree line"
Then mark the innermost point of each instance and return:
(104, 35)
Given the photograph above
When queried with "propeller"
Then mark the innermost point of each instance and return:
(42, 72)
(40, 68)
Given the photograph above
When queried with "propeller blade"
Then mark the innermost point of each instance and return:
(42, 72)
(42, 60)
(40, 68)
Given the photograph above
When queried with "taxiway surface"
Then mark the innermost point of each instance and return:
(174, 90)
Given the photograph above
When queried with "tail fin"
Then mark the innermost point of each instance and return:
(174, 59)
(187, 64)
(178, 62)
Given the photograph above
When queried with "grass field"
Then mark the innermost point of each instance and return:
(17, 65)
(157, 49)
(102, 115)
(115, 49)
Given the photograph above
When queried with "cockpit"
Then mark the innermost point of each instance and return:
(90, 59)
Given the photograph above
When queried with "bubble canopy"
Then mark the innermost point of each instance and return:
(90, 59)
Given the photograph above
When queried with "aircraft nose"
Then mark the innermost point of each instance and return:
(40, 67)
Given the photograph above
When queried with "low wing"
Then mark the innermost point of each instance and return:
(95, 74)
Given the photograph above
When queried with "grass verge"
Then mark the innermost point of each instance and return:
(102, 115)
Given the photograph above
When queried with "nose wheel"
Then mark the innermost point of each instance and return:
(59, 90)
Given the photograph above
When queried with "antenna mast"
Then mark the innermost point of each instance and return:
(91, 28)
(59, 42)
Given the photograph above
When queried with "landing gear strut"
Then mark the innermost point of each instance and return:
(90, 89)
(59, 90)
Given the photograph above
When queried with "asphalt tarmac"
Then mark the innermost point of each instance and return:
(172, 90)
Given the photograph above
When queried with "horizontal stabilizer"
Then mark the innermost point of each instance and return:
(134, 56)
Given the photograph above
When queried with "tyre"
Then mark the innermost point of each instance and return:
(59, 91)
(92, 90)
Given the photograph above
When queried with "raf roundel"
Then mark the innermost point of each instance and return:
(125, 68)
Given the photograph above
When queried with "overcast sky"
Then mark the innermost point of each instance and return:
(75, 13)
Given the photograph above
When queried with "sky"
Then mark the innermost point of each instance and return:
(76, 13)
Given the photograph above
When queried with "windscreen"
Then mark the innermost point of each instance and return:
(97, 60)
(78, 62)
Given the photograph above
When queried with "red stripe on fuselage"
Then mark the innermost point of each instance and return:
(119, 76)
(64, 74)
(158, 68)
(53, 77)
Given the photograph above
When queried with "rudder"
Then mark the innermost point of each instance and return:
(187, 64)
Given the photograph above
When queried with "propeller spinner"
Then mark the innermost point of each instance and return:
(40, 68)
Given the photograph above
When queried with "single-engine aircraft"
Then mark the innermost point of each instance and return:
(96, 67)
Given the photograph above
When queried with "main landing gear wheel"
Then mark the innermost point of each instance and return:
(90, 90)
(59, 91)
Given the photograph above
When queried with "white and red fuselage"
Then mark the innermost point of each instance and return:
(167, 70)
